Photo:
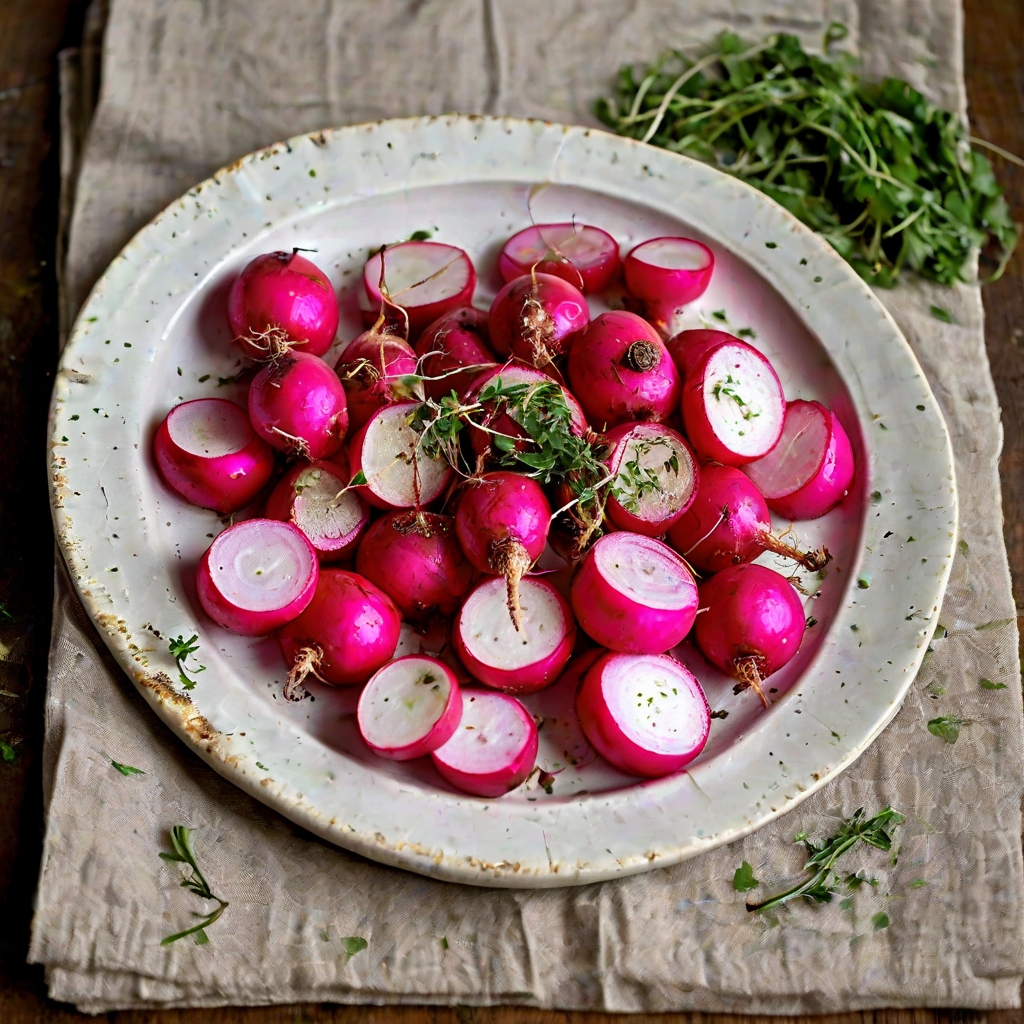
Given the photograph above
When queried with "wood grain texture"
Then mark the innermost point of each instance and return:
(31, 33)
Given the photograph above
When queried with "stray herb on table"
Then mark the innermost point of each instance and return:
(181, 846)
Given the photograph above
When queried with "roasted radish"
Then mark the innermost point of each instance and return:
(453, 351)
(585, 256)
(535, 317)
(666, 274)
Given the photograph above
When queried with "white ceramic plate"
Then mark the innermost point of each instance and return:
(154, 333)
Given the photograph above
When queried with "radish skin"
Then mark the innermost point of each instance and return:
(409, 708)
(375, 370)
(207, 451)
(666, 274)
(687, 348)
(457, 341)
(585, 256)
(535, 318)
(646, 714)
(257, 576)
(494, 748)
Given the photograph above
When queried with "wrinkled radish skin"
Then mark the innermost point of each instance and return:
(666, 274)
(634, 594)
(515, 661)
(257, 576)
(494, 748)
(409, 708)
(646, 714)
(585, 256)
(207, 451)
(535, 318)
(459, 339)
(811, 468)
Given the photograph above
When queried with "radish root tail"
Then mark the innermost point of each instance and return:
(812, 561)
(307, 663)
(273, 343)
(748, 672)
(509, 558)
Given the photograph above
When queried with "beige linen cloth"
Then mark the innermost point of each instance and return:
(189, 85)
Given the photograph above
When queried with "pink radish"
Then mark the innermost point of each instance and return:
(645, 713)
(535, 317)
(427, 279)
(257, 576)
(728, 523)
(297, 404)
(666, 274)
(656, 477)
(519, 658)
(453, 350)
(687, 348)
(811, 468)
(389, 454)
(585, 256)
(409, 708)
(314, 498)
(733, 406)
(377, 369)
(502, 524)
(415, 558)
(282, 301)
(494, 748)
(634, 594)
(751, 623)
(207, 451)
(620, 370)
(349, 630)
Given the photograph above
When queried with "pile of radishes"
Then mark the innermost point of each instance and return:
(422, 477)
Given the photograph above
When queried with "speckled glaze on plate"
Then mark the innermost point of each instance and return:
(154, 333)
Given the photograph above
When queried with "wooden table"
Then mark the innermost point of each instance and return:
(31, 34)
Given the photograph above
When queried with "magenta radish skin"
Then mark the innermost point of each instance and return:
(666, 274)
(811, 468)
(535, 317)
(409, 708)
(207, 451)
(457, 341)
(732, 405)
(493, 749)
(282, 301)
(297, 405)
(634, 594)
(687, 348)
(620, 370)
(347, 632)
(659, 451)
(515, 660)
(415, 558)
(257, 576)
(307, 496)
(646, 714)
(427, 279)
(581, 254)
(373, 370)
(753, 624)
(389, 453)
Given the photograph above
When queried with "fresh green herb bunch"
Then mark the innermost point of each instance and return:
(889, 179)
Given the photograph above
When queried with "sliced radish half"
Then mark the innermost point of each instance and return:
(733, 406)
(656, 477)
(811, 468)
(634, 594)
(580, 254)
(496, 653)
(314, 498)
(208, 452)
(494, 748)
(666, 274)
(647, 714)
(257, 576)
(426, 279)
(389, 453)
(409, 707)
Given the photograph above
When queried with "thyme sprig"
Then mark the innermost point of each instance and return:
(195, 882)
(181, 649)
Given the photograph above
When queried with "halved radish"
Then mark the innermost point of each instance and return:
(209, 453)
(389, 453)
(314, 498)
(687, 348)
(733, 406)
(409, 707)
(647, 714)
(811, 468)
(634, 594)
(257, 576)
(666, 274)
(535, 317)
(493, 749)
(426, 279)
(656, 477)
(496, 653)
(453, 351)
(585, 256)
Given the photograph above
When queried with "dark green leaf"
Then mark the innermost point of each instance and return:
(743, 880)
(943, 314)
(946, 727)
(7, 751)
(880, 920)
(987, 684)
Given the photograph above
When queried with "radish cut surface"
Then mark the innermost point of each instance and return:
(591, 252)
(647, 714)
(666, 274)
(409, 707)
(494, 747)
(209, 428)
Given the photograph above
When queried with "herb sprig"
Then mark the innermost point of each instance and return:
(195, 882)
(181, 649)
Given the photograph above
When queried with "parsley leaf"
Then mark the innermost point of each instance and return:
(744, 880)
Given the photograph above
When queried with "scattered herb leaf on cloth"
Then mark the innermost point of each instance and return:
(946, 727)
(744, 880)
(127, 769)
(888, 178)
(181, 847)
